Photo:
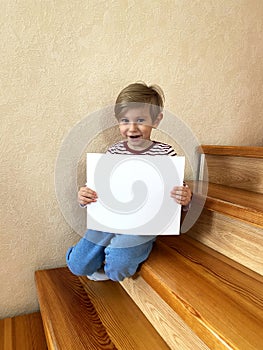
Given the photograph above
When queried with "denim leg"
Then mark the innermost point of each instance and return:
(124, 255)
(88, 254)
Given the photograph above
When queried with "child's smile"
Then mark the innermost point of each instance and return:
(136, 126)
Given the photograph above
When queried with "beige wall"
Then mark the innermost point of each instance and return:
(62, 59)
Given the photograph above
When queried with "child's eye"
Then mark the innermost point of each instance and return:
(140, 121)
(124, 121)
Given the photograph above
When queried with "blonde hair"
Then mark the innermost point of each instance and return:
(138, 95)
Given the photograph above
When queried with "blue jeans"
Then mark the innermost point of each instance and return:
(122, 254)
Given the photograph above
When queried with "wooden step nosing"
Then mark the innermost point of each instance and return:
(237, 211)
(237, 203)
(235, 151)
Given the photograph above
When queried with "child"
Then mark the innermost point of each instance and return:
(138, 110)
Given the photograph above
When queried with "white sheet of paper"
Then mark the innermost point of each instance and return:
(134, 193)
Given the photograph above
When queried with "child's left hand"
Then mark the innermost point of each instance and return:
(181, 194)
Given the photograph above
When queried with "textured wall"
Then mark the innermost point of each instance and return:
(61, 59)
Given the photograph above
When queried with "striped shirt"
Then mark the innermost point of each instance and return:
(156, 148)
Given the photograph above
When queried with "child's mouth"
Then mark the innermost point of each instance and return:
(134, 137)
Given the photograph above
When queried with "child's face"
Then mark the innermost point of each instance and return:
(136, 126)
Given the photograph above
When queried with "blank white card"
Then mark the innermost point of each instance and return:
(134, 193)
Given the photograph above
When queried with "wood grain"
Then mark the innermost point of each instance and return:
(237, 240)
(221, 303)
(69, 317)
(125, 323)
(236, 151)
(239, 172)
(170, 326)
(82, 314)
(241, 204)
(22, 333)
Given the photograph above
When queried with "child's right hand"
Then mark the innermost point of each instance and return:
(86, 196)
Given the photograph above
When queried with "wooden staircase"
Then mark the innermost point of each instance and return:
(212, 277)
(200, 290)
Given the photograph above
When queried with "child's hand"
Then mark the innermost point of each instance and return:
(182, 194)
(86, 196)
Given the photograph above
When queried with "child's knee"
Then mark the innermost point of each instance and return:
(75, 264)
(85, 257)
(124, 262)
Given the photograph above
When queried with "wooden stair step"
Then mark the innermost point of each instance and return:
(238, 241)
(240, 167)
(22, 333)
(82, 314)
(231, 223)
(241, 204)
(169, 324)
(219, 299)
(236, 151)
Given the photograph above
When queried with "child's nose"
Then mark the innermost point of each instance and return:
(133, 126)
